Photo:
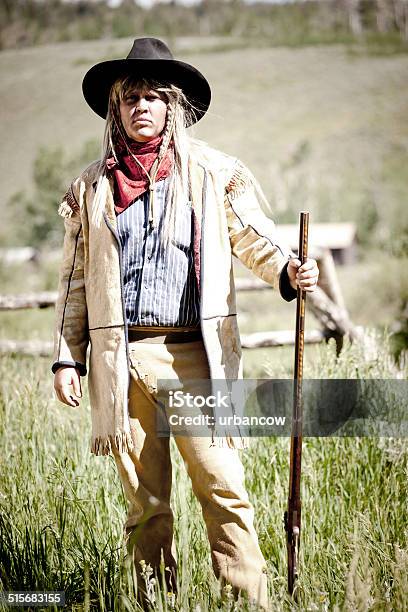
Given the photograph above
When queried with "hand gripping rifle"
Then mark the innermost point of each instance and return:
(292, 515)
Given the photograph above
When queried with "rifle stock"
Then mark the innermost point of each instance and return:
(292, 517)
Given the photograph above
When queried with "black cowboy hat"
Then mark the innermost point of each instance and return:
(148, 58)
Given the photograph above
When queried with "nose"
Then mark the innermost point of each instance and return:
(142, 104)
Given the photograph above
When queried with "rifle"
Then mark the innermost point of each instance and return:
(293, 514)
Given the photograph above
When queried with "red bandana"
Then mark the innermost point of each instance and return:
(130, 179)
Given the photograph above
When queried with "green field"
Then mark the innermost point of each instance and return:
(62, 509)
(321, 128)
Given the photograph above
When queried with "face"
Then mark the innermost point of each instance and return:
(143, 114)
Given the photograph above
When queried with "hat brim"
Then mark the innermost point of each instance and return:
(99, 79)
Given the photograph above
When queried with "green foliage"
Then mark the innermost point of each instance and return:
(373, 197)
(53, 172)
(27, 22)
(62, 509)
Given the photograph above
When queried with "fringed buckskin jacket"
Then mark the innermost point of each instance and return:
(90, 307)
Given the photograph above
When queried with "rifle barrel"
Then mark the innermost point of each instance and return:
(293, 514)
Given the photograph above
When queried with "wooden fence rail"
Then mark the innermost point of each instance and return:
(45, 299)
(280, 338)
(33, 348)
(326, 303)
(40, 348)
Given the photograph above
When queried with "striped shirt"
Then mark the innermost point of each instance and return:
(160, 285)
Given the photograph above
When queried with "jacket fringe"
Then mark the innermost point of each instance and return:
(239, 182)
(240, 442)
(64, 210)
(120, 442)
(69, 205)
(227, 441)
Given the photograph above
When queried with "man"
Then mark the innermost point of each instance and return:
(147, 280)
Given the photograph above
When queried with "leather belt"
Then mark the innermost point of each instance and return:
(163, 336)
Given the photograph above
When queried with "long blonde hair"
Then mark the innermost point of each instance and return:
(180, 114)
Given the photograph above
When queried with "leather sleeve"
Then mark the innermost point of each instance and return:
(253, 235)
(71, 334)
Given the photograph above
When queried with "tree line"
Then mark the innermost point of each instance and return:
(33, 22)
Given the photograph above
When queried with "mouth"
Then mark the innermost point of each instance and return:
(141, 121)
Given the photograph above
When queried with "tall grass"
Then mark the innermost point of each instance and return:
(62, 509)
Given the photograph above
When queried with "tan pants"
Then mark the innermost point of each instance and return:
(216, 474)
